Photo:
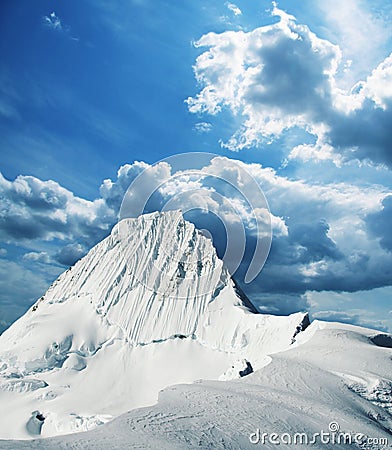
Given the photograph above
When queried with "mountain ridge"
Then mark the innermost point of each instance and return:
(151, 303)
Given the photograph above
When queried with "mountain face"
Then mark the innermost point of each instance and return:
(148, 307)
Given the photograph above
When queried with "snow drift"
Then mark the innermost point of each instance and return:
(334, 377)
(148, 307)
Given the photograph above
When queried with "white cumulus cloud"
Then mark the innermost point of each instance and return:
(279, 77)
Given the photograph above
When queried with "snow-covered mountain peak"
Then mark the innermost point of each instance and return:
(152, 278)
(149, 306)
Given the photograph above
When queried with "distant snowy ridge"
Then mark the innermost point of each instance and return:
(150, 306)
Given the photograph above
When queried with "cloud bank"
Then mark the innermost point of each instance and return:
(332, 237)
(280, 77)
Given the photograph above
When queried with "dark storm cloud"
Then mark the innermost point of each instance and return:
(306, 242)
(365, 134)
(380, 224)
(68, 255)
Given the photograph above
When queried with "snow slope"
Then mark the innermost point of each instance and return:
(334, 375)
(148, 307)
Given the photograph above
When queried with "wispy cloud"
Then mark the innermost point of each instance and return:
(8, 111)
(10, 98)
(362, 318)
(19, 287)
(203, 127)
(233, 8)
(53, 21)
(361, 34)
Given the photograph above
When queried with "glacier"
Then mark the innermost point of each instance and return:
(149, 307)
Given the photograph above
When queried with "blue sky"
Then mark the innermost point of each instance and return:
(299, 92)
